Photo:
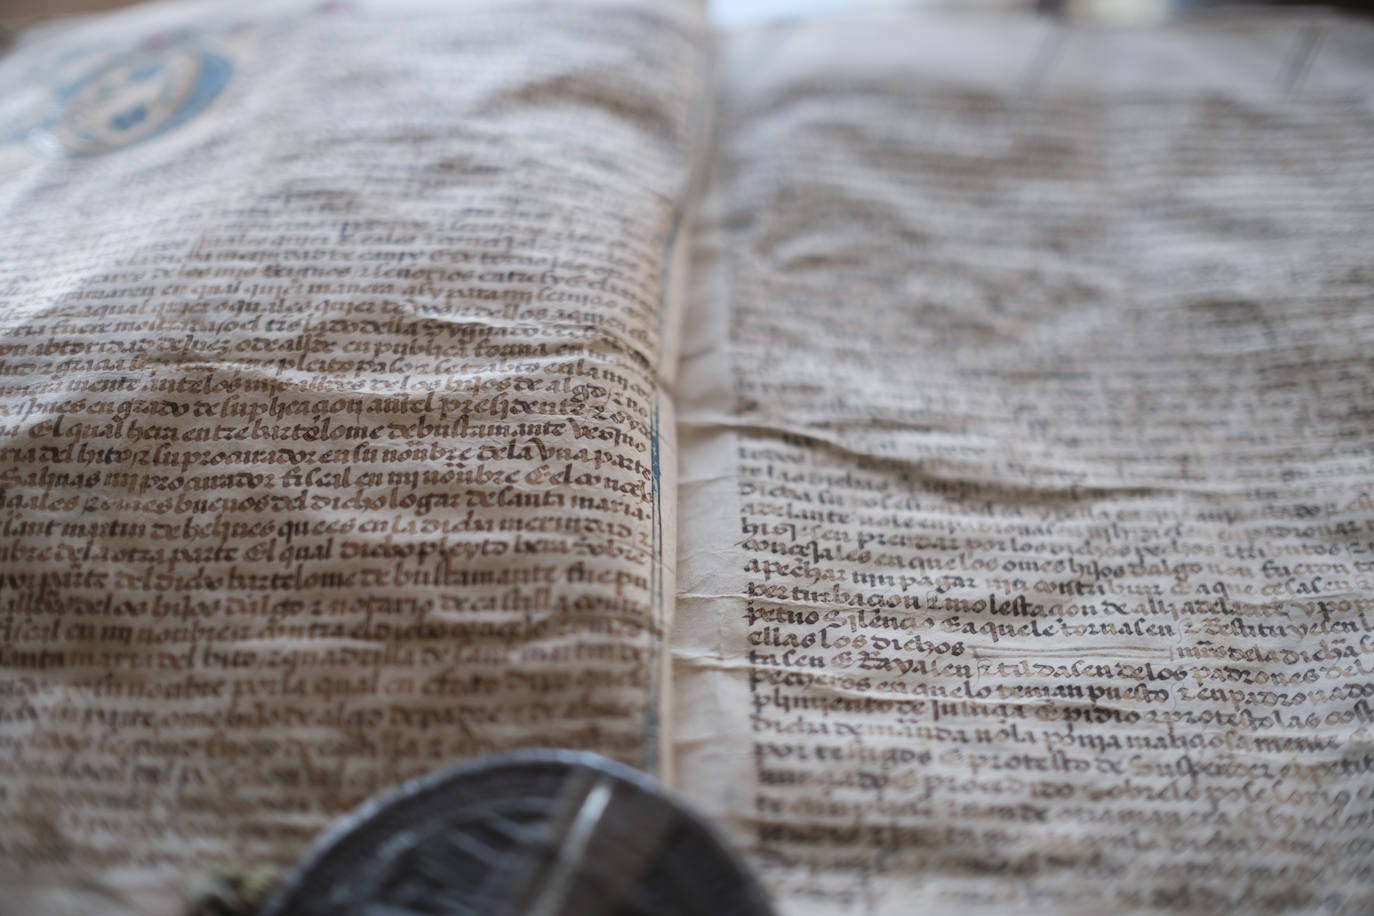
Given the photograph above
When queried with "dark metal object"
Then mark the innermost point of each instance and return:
(543, 833)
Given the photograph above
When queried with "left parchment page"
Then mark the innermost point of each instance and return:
(333, 348)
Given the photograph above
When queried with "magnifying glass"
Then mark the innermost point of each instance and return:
(534, 833)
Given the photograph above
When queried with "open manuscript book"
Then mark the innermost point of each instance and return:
(939, 448)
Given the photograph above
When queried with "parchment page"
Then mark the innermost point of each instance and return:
(333, 437)
(1027, 538)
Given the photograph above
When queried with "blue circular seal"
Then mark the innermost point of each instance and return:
(132, 99)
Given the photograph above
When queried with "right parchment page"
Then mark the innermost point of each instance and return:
(1027, 515)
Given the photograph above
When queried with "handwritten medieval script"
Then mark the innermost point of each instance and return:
(938, 447)
(335, 445)
(1029, 382)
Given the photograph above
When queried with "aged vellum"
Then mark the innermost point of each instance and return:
(336, 444)
(1027, 546)
(939, 448)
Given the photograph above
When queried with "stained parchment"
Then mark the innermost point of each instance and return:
(1027, 559)
(334, 441)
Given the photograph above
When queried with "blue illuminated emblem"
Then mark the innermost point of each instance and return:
(134, 98)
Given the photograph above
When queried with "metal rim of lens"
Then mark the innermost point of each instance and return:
(338, 844)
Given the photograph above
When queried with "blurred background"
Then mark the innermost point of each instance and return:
(733, 13)
(15, 14)
(741, 12)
